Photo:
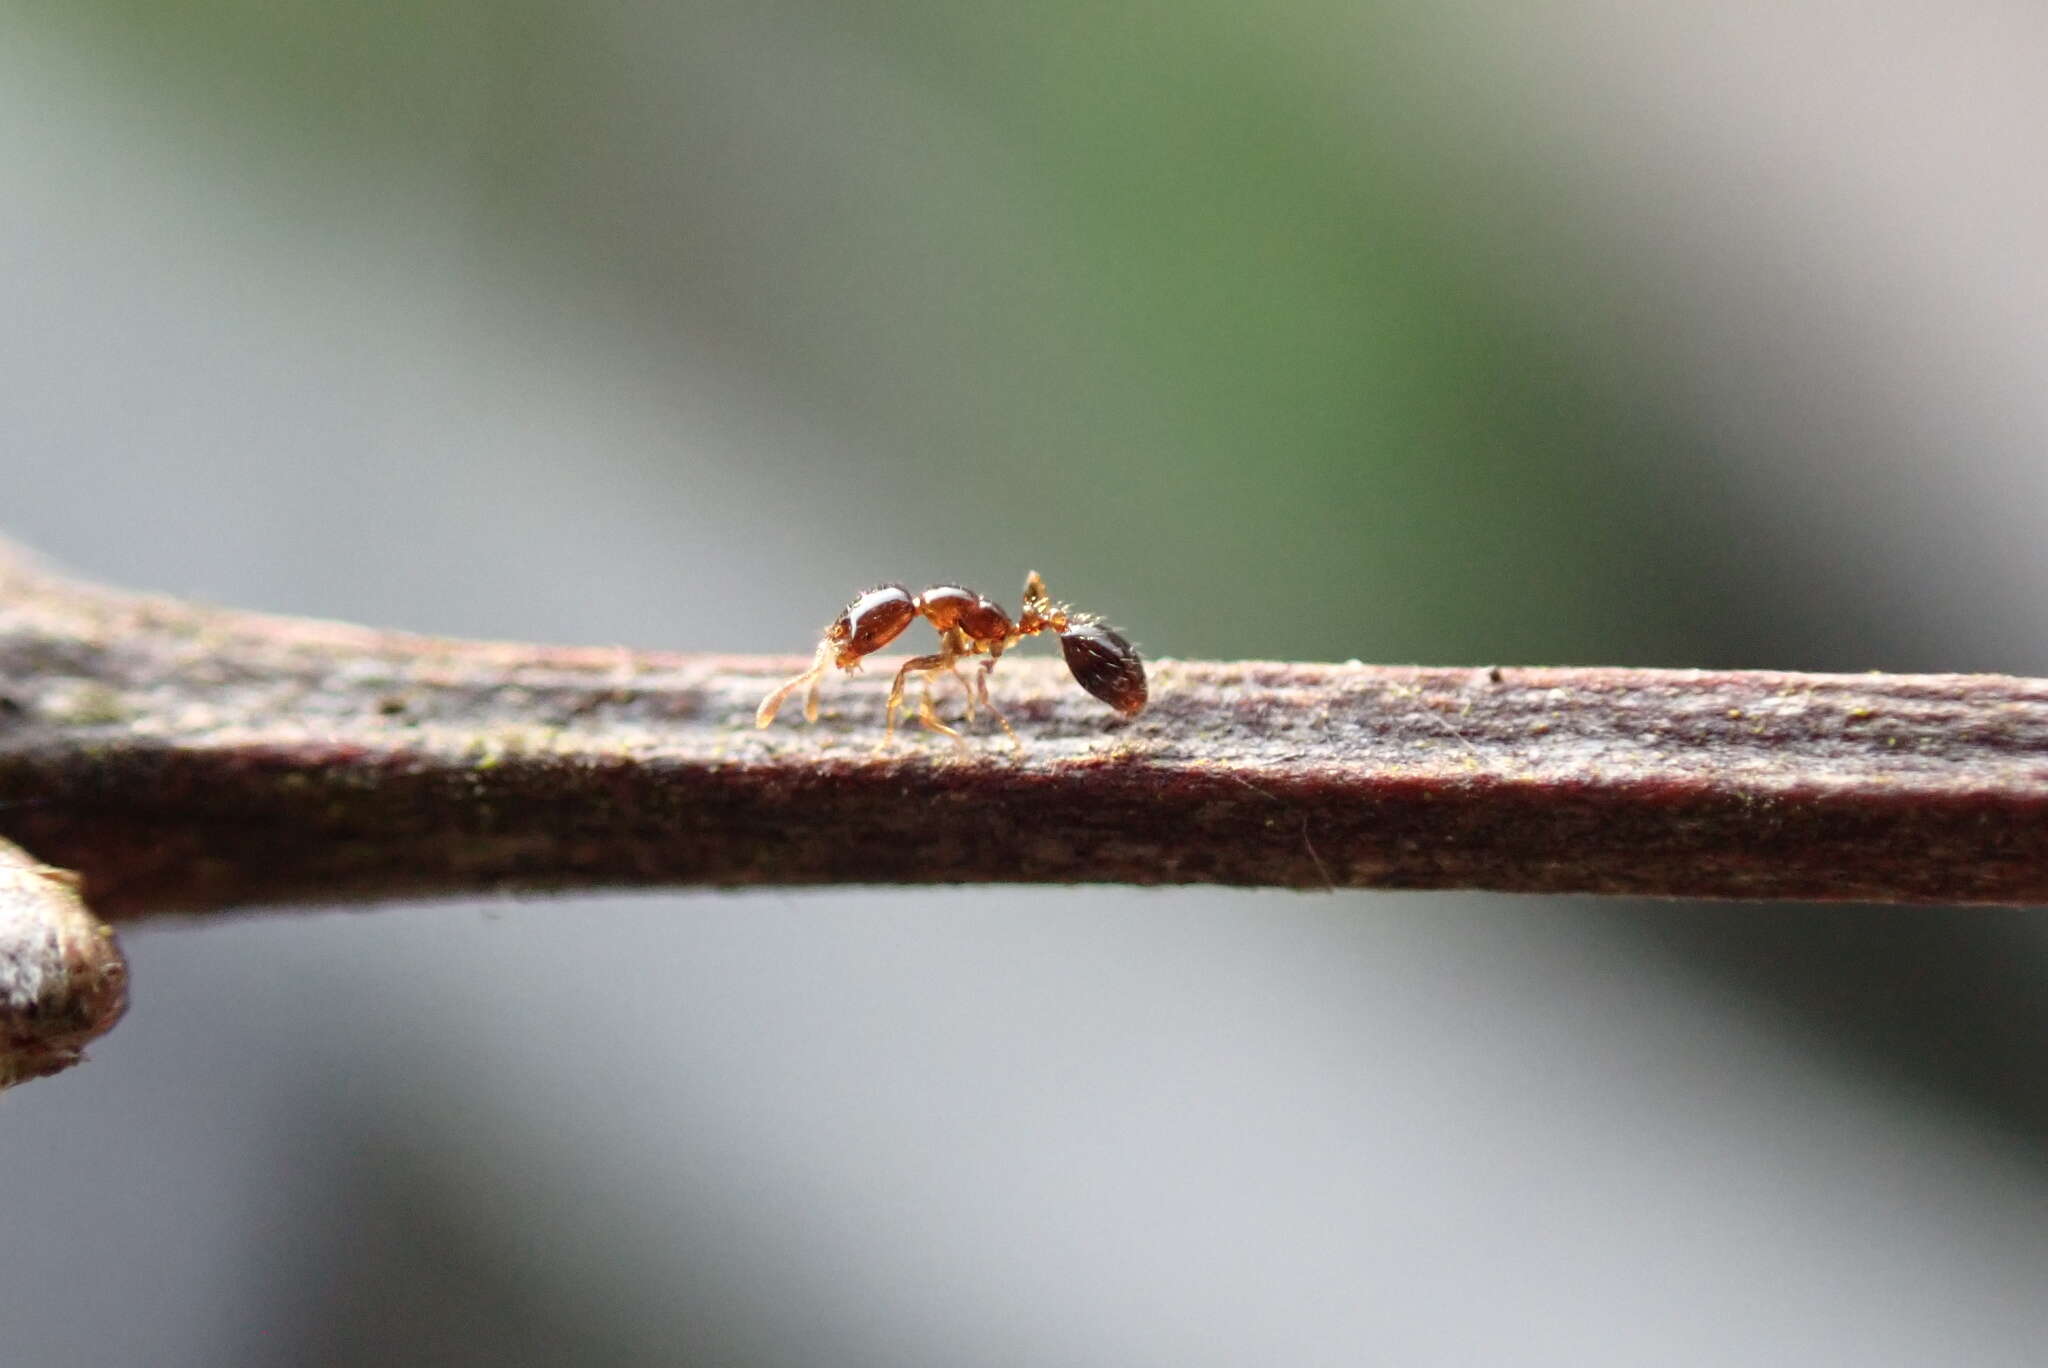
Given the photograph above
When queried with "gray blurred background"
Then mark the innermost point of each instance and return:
(1471, 333)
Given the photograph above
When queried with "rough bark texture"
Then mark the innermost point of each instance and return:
(186, 759)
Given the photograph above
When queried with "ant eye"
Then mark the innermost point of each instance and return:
(1105, 665)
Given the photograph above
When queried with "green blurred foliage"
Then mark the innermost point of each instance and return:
(1202, 309)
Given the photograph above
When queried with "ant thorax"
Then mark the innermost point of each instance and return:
(949, 607)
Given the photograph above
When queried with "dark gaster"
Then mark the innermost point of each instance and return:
(1105, 665)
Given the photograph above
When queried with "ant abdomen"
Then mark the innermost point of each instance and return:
(871, 622)
(1105, 665)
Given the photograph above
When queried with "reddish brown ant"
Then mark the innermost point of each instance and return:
(969, 625)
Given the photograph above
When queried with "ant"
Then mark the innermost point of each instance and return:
(968, 624)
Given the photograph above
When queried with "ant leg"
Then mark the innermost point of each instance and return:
(995, 653)
(929, 715)
(952, 646)
(967, 688)
(981, 687)
(955, 645)
(926, 665)
(765, 714)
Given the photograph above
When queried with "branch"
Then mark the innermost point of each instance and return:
(63, 981)
(187, 759)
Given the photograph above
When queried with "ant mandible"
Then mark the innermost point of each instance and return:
(969, 625)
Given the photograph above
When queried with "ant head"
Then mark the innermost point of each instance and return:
(873, 620)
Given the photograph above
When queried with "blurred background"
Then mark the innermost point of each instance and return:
(1471, 333)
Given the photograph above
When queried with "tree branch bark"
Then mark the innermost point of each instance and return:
(63, 980)
(187, 759)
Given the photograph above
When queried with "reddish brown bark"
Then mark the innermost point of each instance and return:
(188, 759)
